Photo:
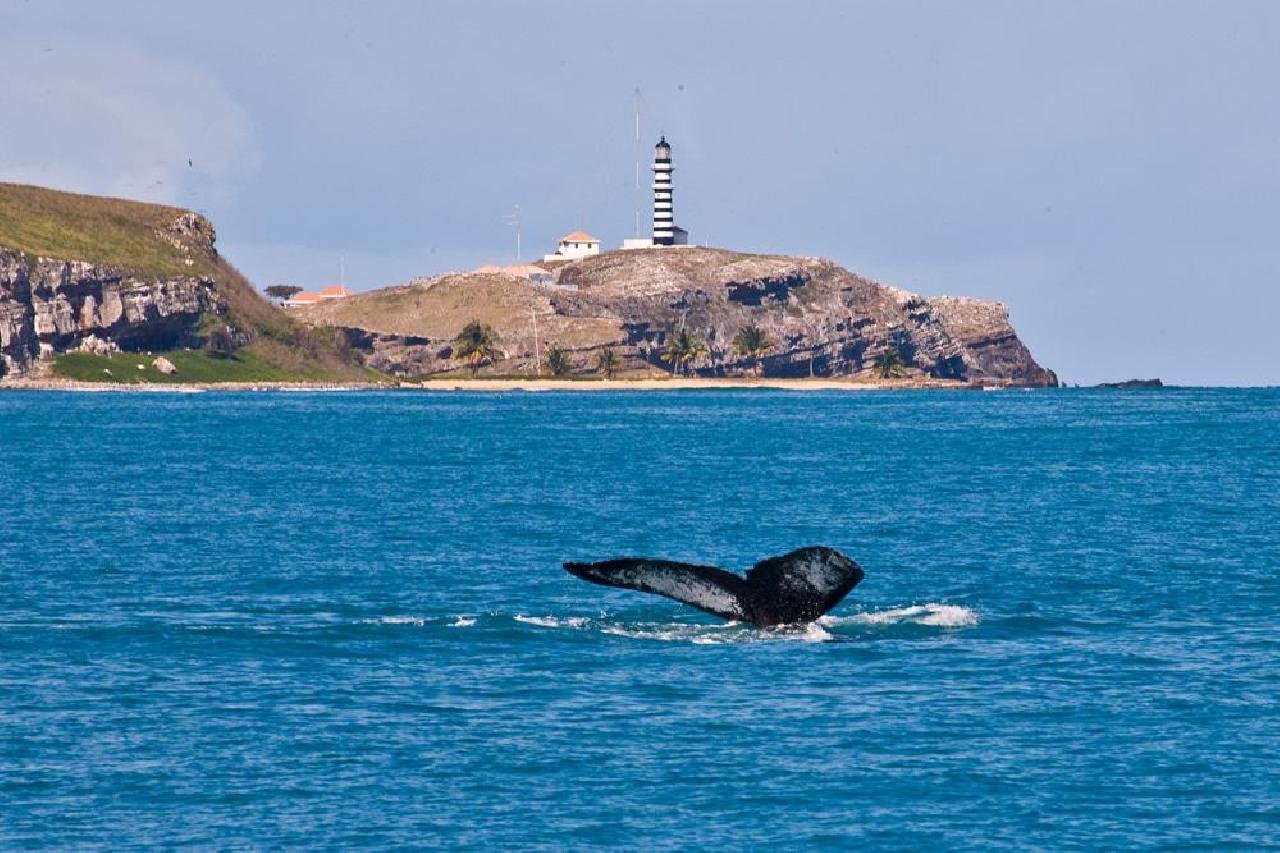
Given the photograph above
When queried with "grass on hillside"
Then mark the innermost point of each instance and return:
(193, 366)
(127, 235)
(106, 231)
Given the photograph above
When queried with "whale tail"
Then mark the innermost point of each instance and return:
(792, 589)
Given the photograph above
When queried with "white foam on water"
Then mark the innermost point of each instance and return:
(815, 633)
(932, 614)
(554, 621)
(950, 616)
(419, 621)
(462, 622)
(717, 635)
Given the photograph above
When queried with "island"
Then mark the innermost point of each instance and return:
(101, 290)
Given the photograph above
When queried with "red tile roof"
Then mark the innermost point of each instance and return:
(525, 270)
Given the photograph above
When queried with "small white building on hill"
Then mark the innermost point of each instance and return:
(578, 244)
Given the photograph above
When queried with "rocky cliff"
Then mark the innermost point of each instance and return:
(49, 306)
(819, 319)
(81, 272)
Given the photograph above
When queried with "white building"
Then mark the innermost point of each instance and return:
(578, 244)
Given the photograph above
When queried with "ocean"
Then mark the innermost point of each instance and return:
(339, 619)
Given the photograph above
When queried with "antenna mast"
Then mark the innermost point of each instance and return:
(537, 348)
(635, 103)
(514, 219)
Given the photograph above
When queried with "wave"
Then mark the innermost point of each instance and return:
(555, 621)
(826, 629)
(417, 621)
(459, 621)
(685, 632)
(932, 614)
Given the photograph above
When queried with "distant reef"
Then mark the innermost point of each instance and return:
(816, 317)
(1133, 383)
(95, 277)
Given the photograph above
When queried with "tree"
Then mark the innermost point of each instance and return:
(609, 362)
(682, 348)
(283, 291)
(558, 361)
(476, 344)
(889, 364)
(752, 342)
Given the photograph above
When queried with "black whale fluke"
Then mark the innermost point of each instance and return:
(788, 590)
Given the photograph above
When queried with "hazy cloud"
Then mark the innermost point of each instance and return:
(1109, 170)
(105, 118)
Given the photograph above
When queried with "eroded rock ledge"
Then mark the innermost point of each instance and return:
(50, 305)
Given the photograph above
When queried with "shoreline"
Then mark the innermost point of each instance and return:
(482, 385)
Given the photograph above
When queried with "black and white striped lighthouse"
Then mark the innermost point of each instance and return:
(665, 231)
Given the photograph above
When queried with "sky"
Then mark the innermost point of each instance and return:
(1109, 170)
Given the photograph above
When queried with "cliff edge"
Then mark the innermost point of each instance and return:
(94, 276)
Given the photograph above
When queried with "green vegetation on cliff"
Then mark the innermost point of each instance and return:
(108, 231)
(157, 242)
(192, 366)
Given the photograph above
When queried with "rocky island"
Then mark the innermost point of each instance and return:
(816, 319)
(107, 290)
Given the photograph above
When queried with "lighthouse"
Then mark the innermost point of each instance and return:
(665, 230)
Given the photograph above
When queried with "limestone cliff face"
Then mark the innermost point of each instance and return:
(819, 318)
(50, 305)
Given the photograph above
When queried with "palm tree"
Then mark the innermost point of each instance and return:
(558, 361)
(475, 344)
(752, 342)
(682, 348)
(609, 362)
(889, 364)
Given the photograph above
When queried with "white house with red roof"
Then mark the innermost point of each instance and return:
(574, 245)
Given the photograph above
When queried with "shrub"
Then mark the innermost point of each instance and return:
(558, 361)
(220, 343)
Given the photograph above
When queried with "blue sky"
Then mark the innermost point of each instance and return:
(1109, 170)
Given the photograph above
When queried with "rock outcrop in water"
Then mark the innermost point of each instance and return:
(49, 306)
(820, 319)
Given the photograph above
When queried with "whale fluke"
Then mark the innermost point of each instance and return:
(792, 589)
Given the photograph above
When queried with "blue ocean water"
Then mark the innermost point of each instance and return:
(263, 619)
